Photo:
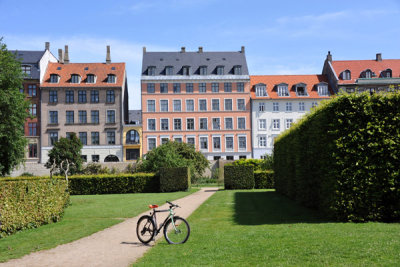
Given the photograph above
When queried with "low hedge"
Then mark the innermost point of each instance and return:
(29, 203)
(174, 179)
(264, 179)
(238, 177)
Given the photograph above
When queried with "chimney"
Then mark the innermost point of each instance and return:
(329, 56)
(60, 56)
(108, 57)
(242, 50)
(144, 50)
(66, 55)
(183, 49)
(378, 57)
(200, 49)
(47, 45)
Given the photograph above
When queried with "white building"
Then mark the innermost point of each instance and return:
(277, 101)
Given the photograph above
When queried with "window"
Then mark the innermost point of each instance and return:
(132, 137)
(151, 105)
(169, 70)
(152, 143)
(95, 158)
(203, 70)
(32, 90)
(241, 123)
(229, 143)
(151, 88)
(314, 104)
(346, 75)
(228, 123)
(33, 109)
(110, 96)
(301, 106)
(189, 88)
(366, 74)
(54, 78)
(276, 124)
(164, 124)
(215, 87)
(68, 135)
(189, 105)
(82, 116)
(227, 87)
(94, 116)
(82, 96)
(69, 96)
(323, 89)
(111, 78)
(53, 117)
(185, 70)
(53, 137)
(84, 158)
(94, 96)
(202, 105)
(237, 70)
(90, 78)
(203, 125)
(177, 105)
(216, 123)
(151, 71)
(95, 138)
(53, 96)
(261, 107)
(69, 117)
(275, 106)
(191, 141)
(240, 104)
(228, 104)
(301, 90)
(110, 116)
(163, 88)
(190, 124)
(21, 90)
(261, 90)
(242, 142)
(288, 106)
(215, 104)
(229, 158)
(220, 70)
(240, 87)
(203, 142)
(262, 124)
(32, 126)
(83, 137)
(177, 88)
(216, 142)
(151, 124)
(289, 123)
(283, 90)
(177, 124)
(164, 140)
(262, 141)
(202, 87)
(33, 150)
(26, 69)
(386, 73)
(75, 78)
(111, 137)
(164, 105)
(178, 139)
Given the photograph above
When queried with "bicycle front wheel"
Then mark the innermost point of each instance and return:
(176, 231)
(145, 229)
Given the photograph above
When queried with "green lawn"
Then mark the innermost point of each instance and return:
(85, 215)
(260, 227)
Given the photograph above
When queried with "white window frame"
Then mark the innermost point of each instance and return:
(155, 124)
(115, 115)
(201, 99)
(262, 143)
(148, 142)
(245, 123)
(164, 137)
(244, 104)
(261, 107)
(161, 129)
(288, 123)
(186, 105)
(194, 124)
(191, 136)
(323, 89)
(261, 90)
(154, 101)
(275, 107)
(274, 123)
(289, 107)
(208, 141)
(173, 105)
(225, 123)
(212, 122)
(225, 99)
(238, 142)
(200, 129)
(233, 142)
(302, 106)
(265, 124)
(220, 143)
(173, 121)
(282, 88)
(176, 137)
(167, 105)
(212, 104)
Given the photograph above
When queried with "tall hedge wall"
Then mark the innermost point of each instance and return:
(30, 203)
(238, 177)
(263, 179)
(174, 179)
(344, 158)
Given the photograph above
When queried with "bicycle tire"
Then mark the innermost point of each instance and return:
(145, 229)
(178, 236)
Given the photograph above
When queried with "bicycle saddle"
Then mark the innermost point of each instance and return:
(153, 206)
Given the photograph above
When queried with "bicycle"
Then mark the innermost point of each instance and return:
(176, 229)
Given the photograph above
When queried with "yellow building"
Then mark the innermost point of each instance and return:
(132, 137)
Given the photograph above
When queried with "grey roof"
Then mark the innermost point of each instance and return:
(31, 58)
(194, 59)
(135, 116)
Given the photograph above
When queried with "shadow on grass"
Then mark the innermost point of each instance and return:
(269, 207)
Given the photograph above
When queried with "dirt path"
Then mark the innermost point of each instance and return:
(114, 246)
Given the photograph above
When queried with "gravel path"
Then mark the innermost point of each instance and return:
(115, 246)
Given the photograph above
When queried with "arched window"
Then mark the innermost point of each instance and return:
(111, 158)
(346, 75)
(90, 78)
(301, 89)
(386, 73)
(75, 78)
(366, 74)
(132, 137)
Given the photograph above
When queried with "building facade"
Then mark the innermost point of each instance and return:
(132, 136)
(277, 101)
(88, 99)
(202, 98)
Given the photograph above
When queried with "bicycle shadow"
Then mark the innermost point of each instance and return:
(136, 244)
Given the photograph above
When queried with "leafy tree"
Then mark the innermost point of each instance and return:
(65, 156)
(174, 154)
(13, 112)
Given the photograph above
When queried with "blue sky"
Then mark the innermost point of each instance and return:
(281, 37)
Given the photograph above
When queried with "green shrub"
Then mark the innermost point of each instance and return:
(343, 158)
(174, 179)
(264, 179)
(95, 168)
(256, 163)
(29, 203)
(238, 177)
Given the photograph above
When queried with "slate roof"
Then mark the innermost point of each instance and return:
(194, 59)
(135, 115)
(31, 58)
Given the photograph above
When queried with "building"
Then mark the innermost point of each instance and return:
(34, 65)
(277, 101)
(375, 75)
(132, 136)
(202, 98)
(89, 99)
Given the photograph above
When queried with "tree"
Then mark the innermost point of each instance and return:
(173, 154)
(13, 112)
(65, 156)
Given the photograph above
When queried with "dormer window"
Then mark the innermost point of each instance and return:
(301, 89)
(366, 74)
(90, 78)
(261, 89)
(386, 73)
(237, 70)
(346, 75)
(26, 69)
(111, 78)
(323, 89)
(283, 90)
(220, 70)
(54, 78)
(185, 70)
(203, 70)
(169, 70)
(151, 71)
(75, 78)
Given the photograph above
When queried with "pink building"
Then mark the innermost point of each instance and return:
(202, 98)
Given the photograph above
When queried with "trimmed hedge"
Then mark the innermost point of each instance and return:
(343, 158)
(263, 179)
(174, 179)
(29, 203)
(238, 177)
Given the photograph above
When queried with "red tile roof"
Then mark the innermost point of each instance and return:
(358, 66)
(100, 70)
(272, 80)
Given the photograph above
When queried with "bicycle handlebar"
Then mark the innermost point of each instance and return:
(172, 204)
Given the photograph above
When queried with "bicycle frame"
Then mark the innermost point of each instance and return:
(171, 215)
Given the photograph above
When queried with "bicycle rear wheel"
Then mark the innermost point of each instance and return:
(177, 232)
(145, 229)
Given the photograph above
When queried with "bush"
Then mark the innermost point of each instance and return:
(95, 168)
(28, 203)
(256, 163)
(174, 179)
(264, 179)
(238, 177)
(343, 158)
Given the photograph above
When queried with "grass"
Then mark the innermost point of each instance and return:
(261, 227)
(85, 216)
